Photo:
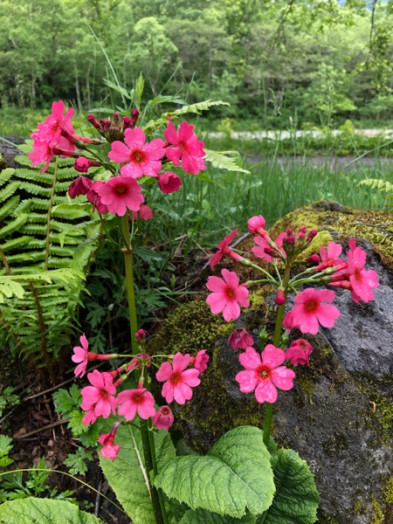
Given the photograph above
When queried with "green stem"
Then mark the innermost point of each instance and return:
(276, 341)
(147, 439)
(155, 470)
(150, 466)
(127, 252)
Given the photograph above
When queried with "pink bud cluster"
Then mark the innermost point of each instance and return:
(101, 398)
(131, 157)
(312, 307)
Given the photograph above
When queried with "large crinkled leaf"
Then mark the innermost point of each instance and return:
(127, 474)
(44, 511)
(206, 517)
(235, 476)
(296, 498)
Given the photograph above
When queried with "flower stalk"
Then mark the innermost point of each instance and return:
(128, 262)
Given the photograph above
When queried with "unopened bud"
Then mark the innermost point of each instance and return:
(312, 234)
(255, 223)
(140, 334)
(280, 298)
(313, 259)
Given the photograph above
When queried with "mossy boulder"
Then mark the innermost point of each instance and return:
(339, 415)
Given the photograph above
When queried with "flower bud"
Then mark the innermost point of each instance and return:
(255, 223)
(280, 297)
(313, 259)
(140, 334)
(80, 186)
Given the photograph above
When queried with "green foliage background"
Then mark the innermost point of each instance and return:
(311, 61)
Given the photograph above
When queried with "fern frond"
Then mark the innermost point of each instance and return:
(376, 183)
(14, 225)
(205, 105)
(224, 160)
(5, 175)
(8, 191)
(9, 206)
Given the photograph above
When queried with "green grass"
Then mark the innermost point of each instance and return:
(208, 209)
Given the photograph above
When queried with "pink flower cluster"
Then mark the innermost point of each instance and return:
(55, 136)
(99, 398)
(134, 155)
(265, 372)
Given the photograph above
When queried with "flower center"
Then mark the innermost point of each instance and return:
(182, 145)
(120, 189)
(137, 398)
(175, 378)
(104, 394)
(138, 156)
(230, 293)
(357, 274)
(311, 305)
(263, 372)
(165, 410)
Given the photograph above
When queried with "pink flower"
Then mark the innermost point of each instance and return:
(256, 225)
(81, 355)
(310, 310)
(163, 419)
(264, 373)
(288, 321)
(98, 399)
(200, 360)
(227, 296)
(362, 281)
(141, 158)
(179, 380)
(80, 186)
(50, 130)
(224, 249)
(240, 339)
(299, 352)
(109, 450)
(93, 197)
(48, 139)
(136, 401)
(169, 182)
(187, 147)
(330, 256)
(265, 251)
(119, 194)
(144, 213)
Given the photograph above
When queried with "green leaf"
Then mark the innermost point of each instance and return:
(234, 476)
(224, 160)
(67, 401)
(5, 445)
(296, 498)
(127, 474)
(76, 462)
(201, 515)
(139, 88)
(44, 511)
(161, 99)
(117, 88)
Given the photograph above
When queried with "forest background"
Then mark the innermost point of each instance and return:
(279, 63)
